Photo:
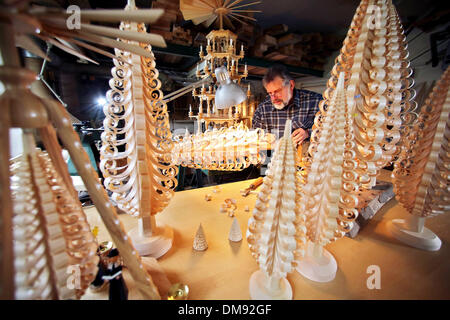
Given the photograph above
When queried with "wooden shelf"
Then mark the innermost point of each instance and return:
(192, 52)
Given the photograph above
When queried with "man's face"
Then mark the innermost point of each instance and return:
(280, 94)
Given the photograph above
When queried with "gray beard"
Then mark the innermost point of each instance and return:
(279, 106)
(282, 105)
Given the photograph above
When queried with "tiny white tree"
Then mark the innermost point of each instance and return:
(235, 231)
(200, 243)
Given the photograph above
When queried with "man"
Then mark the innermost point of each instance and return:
(285, 102)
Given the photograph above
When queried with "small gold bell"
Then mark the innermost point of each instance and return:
(178, 291)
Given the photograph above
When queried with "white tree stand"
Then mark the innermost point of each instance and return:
(263, 287)
(151, 239)
(318, 264)
(412, 232)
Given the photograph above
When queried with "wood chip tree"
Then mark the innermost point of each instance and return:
(421, 173)
(276, 232)
(136, 145)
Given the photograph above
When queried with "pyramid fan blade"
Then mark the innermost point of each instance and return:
(153, 39)
(70, 50)
(109, 15)
(25, 42)
(209, 18)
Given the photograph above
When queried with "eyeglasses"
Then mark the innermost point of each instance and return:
(276, 92)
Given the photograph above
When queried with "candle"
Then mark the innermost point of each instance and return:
(231, 42)
(199, 125)
(242, 47)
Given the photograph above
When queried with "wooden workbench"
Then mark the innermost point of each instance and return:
(222, 272)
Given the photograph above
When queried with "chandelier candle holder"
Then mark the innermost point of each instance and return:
(327, 197)
(276, 230)
(222, 51)
(421, 172)
(140, 175)
(221, 63)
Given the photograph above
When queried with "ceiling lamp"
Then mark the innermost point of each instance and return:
(229, 93)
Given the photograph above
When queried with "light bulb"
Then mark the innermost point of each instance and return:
(101, 101)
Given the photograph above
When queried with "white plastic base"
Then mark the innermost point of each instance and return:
(319, 269)
(155, 245)
(425, 240)
(259, 288)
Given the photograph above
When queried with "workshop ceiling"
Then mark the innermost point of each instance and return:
(300, 16)
(329, 19)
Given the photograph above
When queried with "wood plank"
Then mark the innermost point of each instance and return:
(290, 38)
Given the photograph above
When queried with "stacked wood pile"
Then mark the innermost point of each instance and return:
(247, 34)
(181, 36)
(309, 50)
(168, 25)
(199, 39)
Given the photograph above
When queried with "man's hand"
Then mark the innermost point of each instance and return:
(298, 136)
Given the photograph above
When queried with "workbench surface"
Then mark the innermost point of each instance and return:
(222, 272)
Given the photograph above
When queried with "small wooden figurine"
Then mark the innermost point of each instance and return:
(118, 290)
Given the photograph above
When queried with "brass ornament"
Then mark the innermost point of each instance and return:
(178, 291)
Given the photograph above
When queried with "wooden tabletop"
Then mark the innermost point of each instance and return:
(222, 272)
